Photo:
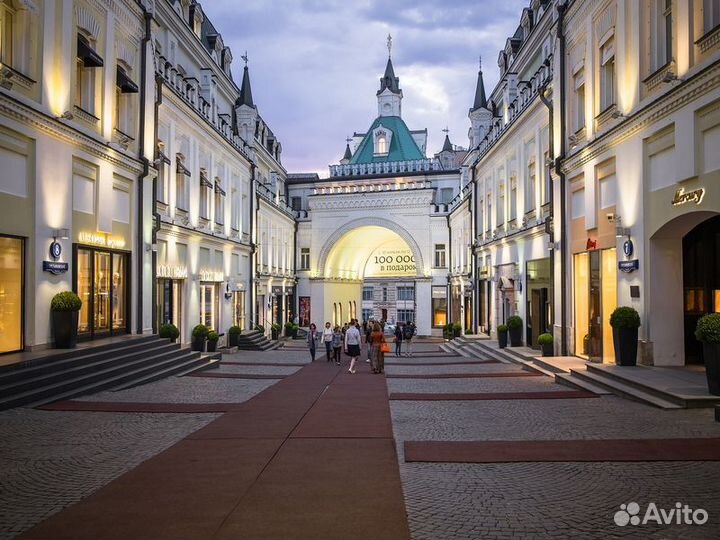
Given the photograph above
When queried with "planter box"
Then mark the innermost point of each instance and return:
(197, 344)
(65, 326)
(212, 346)
(233, 340)
(711, 354)
(502, 339)
(274, 334)
(625, 341)
(515, 337)
(547, 349)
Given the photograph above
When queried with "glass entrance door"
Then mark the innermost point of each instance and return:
(101, 292)
(595, 316)
(11, 294)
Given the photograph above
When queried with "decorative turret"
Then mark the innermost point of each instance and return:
(246, 115)
(389, 96)
(480, 115)
(348, 153)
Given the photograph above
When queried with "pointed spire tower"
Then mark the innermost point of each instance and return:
(390, 95)
(245, 111)
(480, 116)
(348, 153)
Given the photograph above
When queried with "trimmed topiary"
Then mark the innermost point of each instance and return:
(502, 328)
(66, 301)
(260, 328)
(213, 336)
(275, 327)
(708, 328)
(545, 339)
(200, 331)
(168, 331)
(514, 322)
(234, 330)
(625, 317)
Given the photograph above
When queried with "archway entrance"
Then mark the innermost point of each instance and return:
(684, 284)
(701, 281)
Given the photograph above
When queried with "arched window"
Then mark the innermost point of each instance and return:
(382, 144)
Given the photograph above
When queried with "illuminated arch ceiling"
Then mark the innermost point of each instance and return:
(369, 251)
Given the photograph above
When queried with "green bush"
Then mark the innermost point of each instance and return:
(625, 317)
(457, 327)
(514, 322)
(66, 301)
(200, 331)
(468, 331)
(708, 328)
(234, 330)
(260, 328)
(295, 328)
(288, 325)
(169, 331)
(276, 327)
(545, 339)
(213, 336)
(502, 328)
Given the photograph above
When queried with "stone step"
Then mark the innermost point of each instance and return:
(625, 390)
(208, 361)
(568, 379)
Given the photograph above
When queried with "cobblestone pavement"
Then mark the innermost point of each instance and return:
(51, 459)
(262, 370)
(448, 501)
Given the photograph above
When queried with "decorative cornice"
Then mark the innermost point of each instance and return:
(665, 105)
(54, 128)
(392, 199)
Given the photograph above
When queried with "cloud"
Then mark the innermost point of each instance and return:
(315, 65)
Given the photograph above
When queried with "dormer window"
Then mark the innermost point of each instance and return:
(381, 139)
(196, 20)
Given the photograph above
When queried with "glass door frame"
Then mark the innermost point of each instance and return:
(23, 267)
(92, 334)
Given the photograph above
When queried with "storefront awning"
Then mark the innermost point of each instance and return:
(89, 57)
(125, 83)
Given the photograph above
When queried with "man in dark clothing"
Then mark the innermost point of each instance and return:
(408, 333)
(398, 339)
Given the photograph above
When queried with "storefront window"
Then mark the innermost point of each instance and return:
(11, 294)
(102, 292)
(239, 309)
(119, 291)
(439, 306)
(581, 288)
(209, 304)
(170, 302)
(609, 301)
(84, 289)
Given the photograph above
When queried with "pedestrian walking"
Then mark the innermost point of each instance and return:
(337, 342)
(313, 336)
(327, 335)
(398, 339)
(408, 333)
(368, 331)
(352, 346)
(378, 344)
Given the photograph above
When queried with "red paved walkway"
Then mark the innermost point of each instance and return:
(312, 457)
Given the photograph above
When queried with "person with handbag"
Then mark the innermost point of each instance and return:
(327, 337)
(352, 345)
(379, 348)
(313, 337)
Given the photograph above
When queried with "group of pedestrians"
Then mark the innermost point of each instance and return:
(349, 339)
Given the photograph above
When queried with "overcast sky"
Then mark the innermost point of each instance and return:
(315, 65)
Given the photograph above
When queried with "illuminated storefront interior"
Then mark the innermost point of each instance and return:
(11, 294)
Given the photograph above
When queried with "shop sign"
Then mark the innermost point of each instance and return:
(681, 197)
(101, 239)
(277, 289)
(483, 271)
(172, 272)
(629, 266)
(628, 248)
(590, 244)
(55, 267)
(55, 250)
(211, 275)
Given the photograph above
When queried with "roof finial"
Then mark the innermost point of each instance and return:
(446, 130)
(389, 45)
(245, 57)
(348, 140)
(480, 62)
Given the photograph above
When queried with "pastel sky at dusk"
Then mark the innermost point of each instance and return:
(315, 65)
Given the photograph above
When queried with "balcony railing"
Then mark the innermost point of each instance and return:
(387, 167)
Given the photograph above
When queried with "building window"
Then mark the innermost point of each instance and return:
(367, 314)
(7, 19)
(405, 315)
(124, 89)
(219, 203)
(607, 74)
(384, 294)
(501, 206)
(163, 184)
(304, 258)
(205, 188)
(367, 293)
(577, 204)
(86, 62)
(381, 143)
(439, 306)
(489, 213)
(209, 302)
(406, 293)
(11, 300)
(711, 14)
(513, 199)
(181, 184)
(296, 203)
(545, 198)
(661, 33)
(440, 261)
(579, 116)
(530, 188)
(446, 195)
(235, 210)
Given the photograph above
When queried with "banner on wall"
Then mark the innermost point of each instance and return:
(304, 302)
(391, 262)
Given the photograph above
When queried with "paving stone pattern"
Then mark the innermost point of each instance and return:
(546, 500)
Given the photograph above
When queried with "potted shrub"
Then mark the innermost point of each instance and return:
(199, 335)
(448, 331)
(260, 328)
(288, 329)
(169, 331)
(212, 340)
(515, 326)
(233, 333)
(275, 329)
(625, 322)
(64, 309)
(295, 329)
(707, 332)
(546, 343)
(502, 332)
(457, 330)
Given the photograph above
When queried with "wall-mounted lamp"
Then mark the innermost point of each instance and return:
(617, 115)
(670, 77)
(67, 115)
(64, 234)
(6, 76)
(620, 232)
(573, 140)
